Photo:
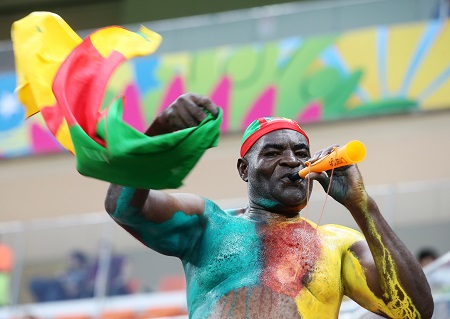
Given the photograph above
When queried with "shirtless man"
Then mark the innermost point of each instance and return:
(265, 260)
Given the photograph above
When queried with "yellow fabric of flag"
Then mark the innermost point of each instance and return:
(41, 43)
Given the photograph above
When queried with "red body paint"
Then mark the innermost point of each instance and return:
(290, 251)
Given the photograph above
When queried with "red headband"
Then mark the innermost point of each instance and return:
(265, 125)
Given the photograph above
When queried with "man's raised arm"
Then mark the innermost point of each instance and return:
(396, 285)
(141, 210)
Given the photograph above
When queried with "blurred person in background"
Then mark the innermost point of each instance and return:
(70, 284)
(6, 267)
(117, 270)
(438, 277)
(265, 260)
(441, 10)
(426, 256)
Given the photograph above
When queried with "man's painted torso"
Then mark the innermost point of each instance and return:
(242, 268)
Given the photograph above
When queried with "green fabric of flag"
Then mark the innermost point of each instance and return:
(134, 159)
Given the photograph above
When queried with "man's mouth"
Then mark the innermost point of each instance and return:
(292, 177)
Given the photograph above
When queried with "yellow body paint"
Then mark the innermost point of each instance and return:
(322, 295)
(399, 303)
(338, 269)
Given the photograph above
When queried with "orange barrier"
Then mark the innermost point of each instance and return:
(6, 258)
(73, 317)
(118, 314)
(162, 312)
(172, 283)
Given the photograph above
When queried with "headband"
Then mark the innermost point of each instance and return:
(265, 125)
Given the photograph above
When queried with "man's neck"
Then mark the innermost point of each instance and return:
(259, 213)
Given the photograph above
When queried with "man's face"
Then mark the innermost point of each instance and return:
(271, 160)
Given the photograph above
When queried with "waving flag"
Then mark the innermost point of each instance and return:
(66, 78)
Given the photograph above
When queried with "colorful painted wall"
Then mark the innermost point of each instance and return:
(376, 71)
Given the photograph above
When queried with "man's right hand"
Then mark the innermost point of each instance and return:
(347, 185)
(186, 111)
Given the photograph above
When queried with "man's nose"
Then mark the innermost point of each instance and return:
(291, 160)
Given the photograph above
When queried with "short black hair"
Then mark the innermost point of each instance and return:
(426, 253)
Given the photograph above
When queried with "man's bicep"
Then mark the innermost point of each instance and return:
(161, 206)
(174, 237)
(169, 224)
(360, 278)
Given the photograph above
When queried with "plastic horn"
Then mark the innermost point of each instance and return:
(351, 153)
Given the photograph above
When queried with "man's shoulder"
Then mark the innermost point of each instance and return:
(213, 209)
(341, 233)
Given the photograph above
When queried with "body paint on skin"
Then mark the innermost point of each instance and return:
(399, 303)
(226, 259)
(354, 274)
(239, 267)
(123, 204)
(283, 243)
(235, 294)
(247, 297)
(267, 203)
(261, 299)
(223, 309)
(324, 290)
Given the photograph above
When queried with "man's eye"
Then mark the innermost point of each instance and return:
(272, 153)
(302, 154)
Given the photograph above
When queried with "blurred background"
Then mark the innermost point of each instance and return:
(372, 70)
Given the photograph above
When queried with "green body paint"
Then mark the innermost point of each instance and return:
(267, 203)
(220, 251)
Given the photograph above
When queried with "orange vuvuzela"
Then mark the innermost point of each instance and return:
(351, 153)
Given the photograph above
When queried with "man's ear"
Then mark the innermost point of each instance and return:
(242, 166)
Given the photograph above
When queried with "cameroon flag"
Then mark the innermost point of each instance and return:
(65, 78)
